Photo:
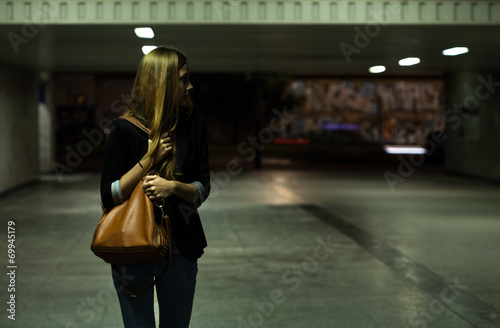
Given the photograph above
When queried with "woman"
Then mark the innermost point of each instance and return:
(178, 151)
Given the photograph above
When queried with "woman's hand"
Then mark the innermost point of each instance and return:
(156, 187)
(164, 148)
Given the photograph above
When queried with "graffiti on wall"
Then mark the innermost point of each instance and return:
(384, 110)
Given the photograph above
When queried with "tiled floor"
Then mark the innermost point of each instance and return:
(325, 247)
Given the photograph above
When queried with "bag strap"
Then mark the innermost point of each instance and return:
(139, 292)
(154, 282)
(137, 123)
(141, 126)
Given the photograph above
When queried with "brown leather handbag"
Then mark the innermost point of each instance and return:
(129, 234)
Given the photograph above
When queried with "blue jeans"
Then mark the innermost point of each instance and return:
(175, 292)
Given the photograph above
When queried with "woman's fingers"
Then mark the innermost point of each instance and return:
(148, 179)
(149, 190)
(167, 144)
(164, 148)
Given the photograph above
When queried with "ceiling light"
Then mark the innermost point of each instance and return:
(377, 69)
(147, 49)
(455, 51)
(144, 32)
(409, 61)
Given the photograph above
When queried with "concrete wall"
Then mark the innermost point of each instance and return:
(473, 124)
(18, 127)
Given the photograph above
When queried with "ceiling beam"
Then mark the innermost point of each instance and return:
(40, 12)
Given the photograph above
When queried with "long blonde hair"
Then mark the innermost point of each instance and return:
(155, 102)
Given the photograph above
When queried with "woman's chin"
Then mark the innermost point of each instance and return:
(186, 104)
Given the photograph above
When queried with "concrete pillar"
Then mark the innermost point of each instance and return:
(18, 127)
(472, 118)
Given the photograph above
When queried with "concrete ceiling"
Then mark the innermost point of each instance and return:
(305, 49)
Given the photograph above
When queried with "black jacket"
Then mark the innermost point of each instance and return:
(127, 144)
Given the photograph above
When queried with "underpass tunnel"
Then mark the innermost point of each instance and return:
(353, 148)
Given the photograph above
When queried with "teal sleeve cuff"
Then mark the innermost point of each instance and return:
(201, 193)
(116, 192)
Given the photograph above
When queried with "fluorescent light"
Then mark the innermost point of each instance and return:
(147, 49)
(389, 149)
(377, 69)
(144, 32)
(409, 61)
(455, 51)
